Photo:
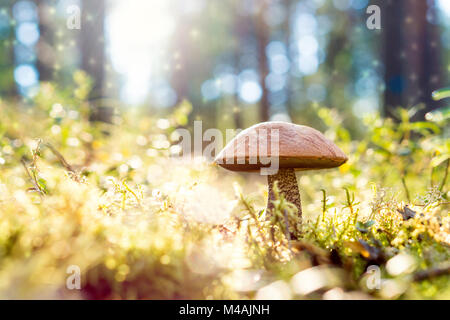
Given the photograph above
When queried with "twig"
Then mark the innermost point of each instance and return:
(60, 158)
(431, 173)
(253, 215)
(287, 233)
(132, 192)
(439, 204)
(406, 189)
(444, 179)
(324, 204)
(432, 273)
(32, 178)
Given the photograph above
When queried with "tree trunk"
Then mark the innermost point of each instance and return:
(93, 51)
(241, 32)
(411, 55)
(182, 50)
(262, 37)
(7, 64)
(44, 48)
(287, 32)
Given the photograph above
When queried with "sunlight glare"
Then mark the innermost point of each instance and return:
(445, 6)
(138, 32)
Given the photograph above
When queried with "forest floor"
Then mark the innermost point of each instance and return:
(138, 223)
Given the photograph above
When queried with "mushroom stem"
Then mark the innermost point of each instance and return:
(287, 185)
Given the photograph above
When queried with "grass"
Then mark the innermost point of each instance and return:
(143, 225)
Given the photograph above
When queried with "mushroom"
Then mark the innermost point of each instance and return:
(299, 148)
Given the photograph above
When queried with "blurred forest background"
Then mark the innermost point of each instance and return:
(237, 62)
(140, 222)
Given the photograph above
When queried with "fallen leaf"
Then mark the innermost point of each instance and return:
(407, 213)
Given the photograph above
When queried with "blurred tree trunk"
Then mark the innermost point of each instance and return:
(338, 43)
(392, 53)
(287, 32)
(182, 50)
(411, 55)
(45, 48)
(262, 37)
(92, 43)
(188, 66)
(7, 83)
(241, 32)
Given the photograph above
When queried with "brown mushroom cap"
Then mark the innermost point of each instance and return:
(300, 147)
